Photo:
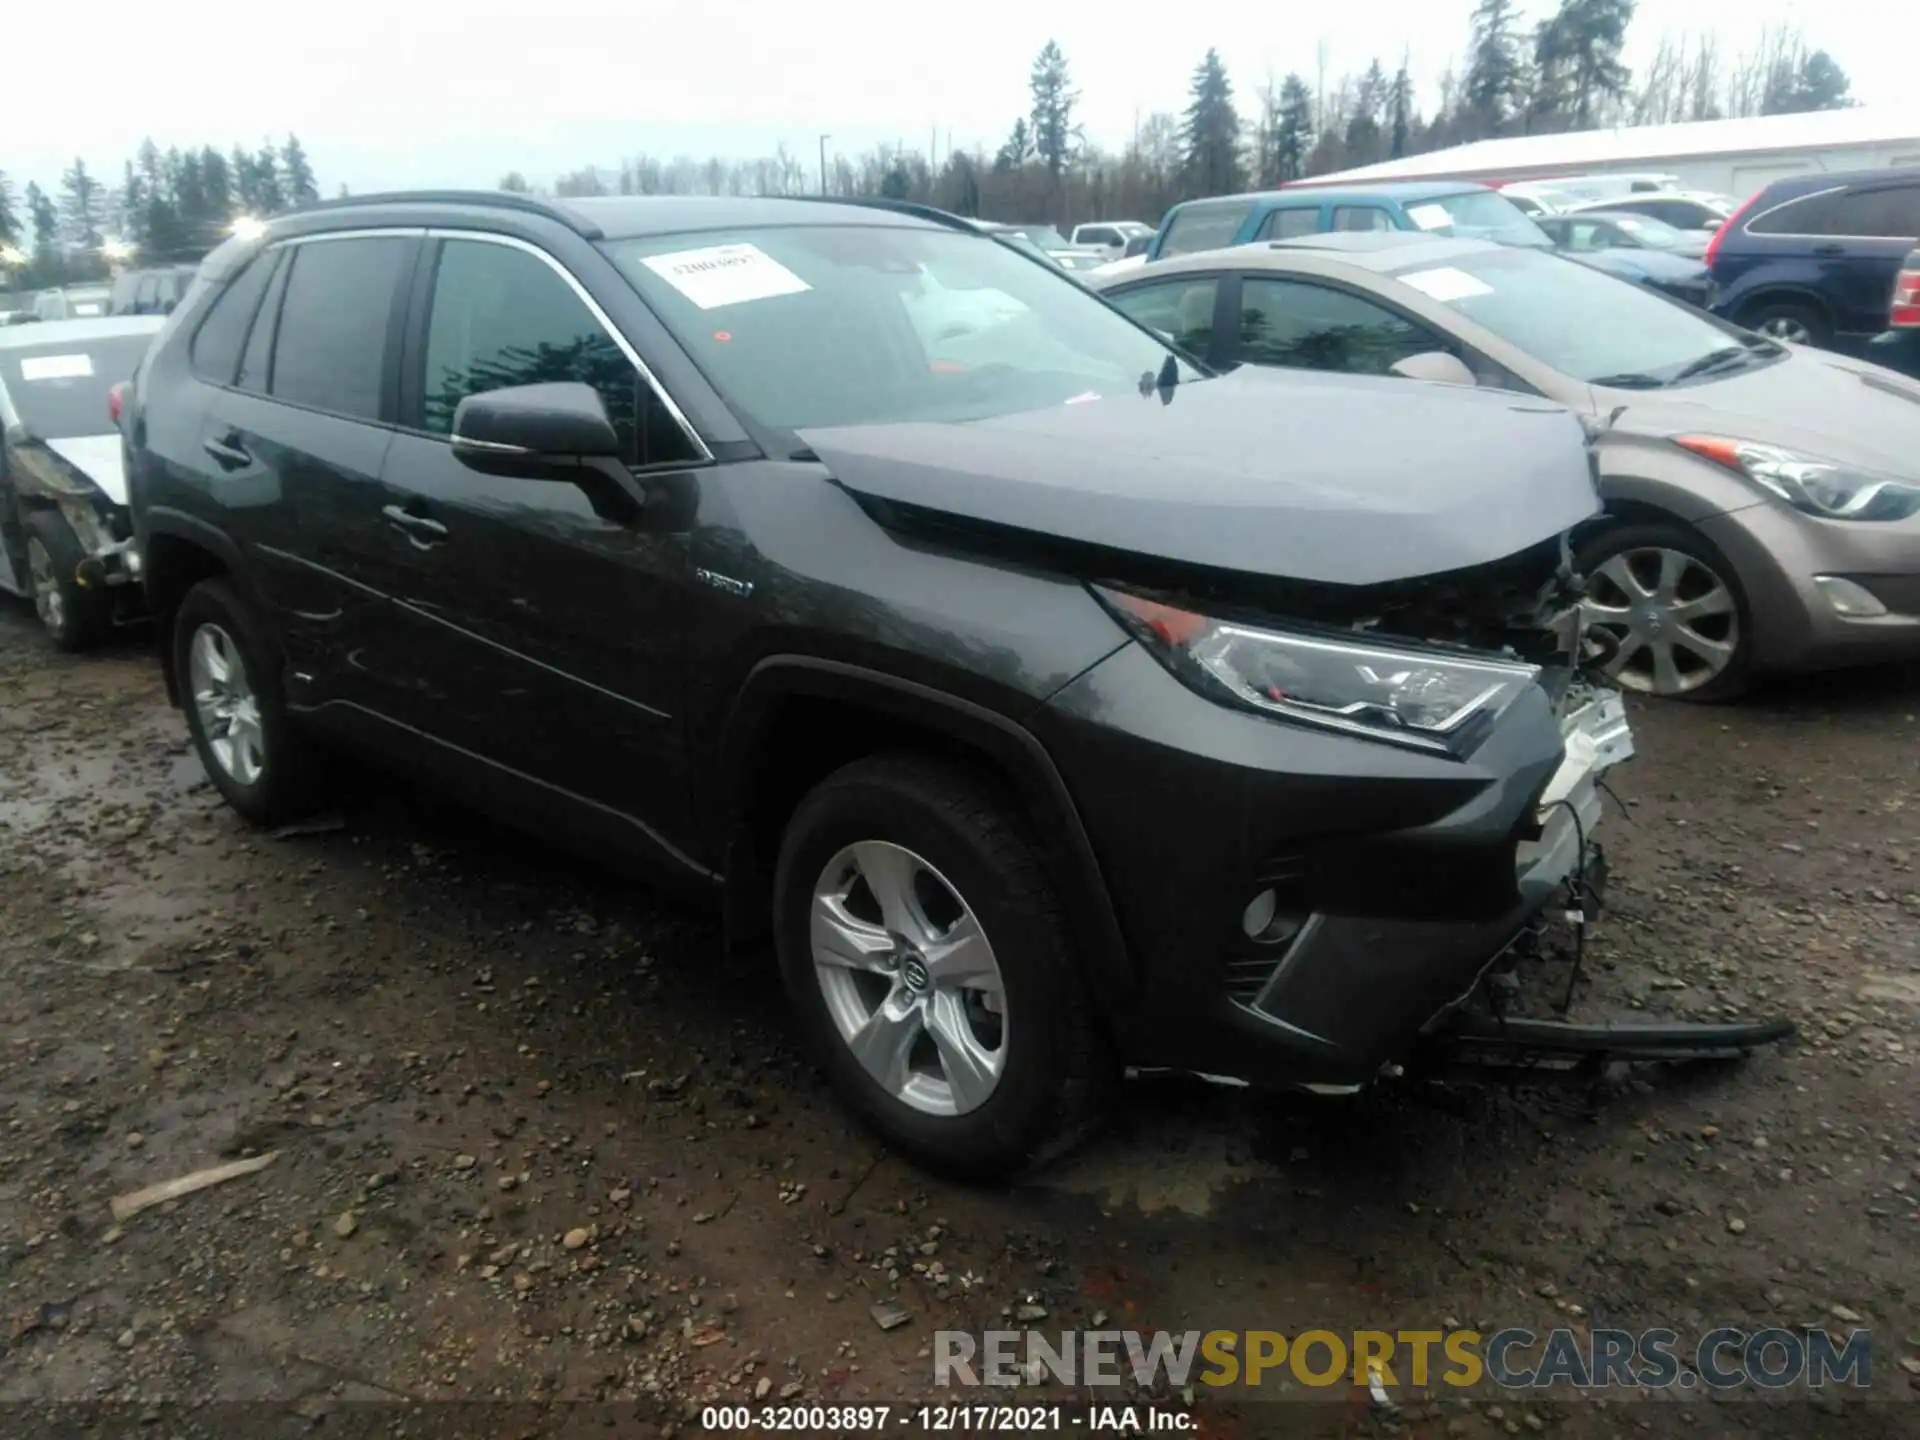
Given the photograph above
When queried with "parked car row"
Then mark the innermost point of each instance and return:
(862, 571)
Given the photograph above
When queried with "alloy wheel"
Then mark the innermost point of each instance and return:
(909, 978)
(48, 603)
(1673, 619)
(1786, 327)
(224, 701)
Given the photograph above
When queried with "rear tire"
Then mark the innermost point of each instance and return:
(74, 616)
(1675, 606)
(982, 1056)
(253, 750)
(1792, 320)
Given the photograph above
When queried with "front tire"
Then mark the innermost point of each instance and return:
(923, 951)
(1790, 320)
(251, 748)
(74, 617)
(1673, 608)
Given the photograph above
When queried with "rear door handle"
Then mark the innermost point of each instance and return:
(1826, 250)
(423, 530)
(228, 452)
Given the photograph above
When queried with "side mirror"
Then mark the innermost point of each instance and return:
(1435, 365)
(529, 429)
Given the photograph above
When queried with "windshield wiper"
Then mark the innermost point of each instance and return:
(1713, 360)
(1632, 380)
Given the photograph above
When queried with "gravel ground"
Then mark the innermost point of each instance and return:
(534, 1141)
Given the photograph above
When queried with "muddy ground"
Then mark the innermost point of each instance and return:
(534, 1142)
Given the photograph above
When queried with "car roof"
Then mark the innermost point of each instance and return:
(625, 217)
(1379, 252)
(77, 332)
(1834, 179)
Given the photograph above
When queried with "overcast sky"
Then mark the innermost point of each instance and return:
(456, 92)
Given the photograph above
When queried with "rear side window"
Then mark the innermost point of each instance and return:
(215, 352)
(1889, 211)
(1207, 227)
(331, 346)
(1286, 224)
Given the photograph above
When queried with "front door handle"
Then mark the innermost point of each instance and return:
(423, 530)
(228, 452)
(1829, 250)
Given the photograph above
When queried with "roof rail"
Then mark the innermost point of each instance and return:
(914, 208)
(492, 199)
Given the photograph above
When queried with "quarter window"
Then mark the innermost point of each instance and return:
(1286, 224)
(503, 317)
(1813, 215)
(1310, 327)
(331, 346)
(257, 359)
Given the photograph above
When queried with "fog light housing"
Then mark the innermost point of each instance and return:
(1257, 918)
(1849, 600)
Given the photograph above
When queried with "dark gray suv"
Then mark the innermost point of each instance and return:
(1052, 704)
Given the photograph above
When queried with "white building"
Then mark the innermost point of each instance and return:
(1731, 157)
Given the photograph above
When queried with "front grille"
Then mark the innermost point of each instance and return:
(1246, 977)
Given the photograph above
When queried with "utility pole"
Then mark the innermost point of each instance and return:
(823, 163)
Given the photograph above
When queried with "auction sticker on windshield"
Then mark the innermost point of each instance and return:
(725, 275)
(1446, 284)
(1429, 217)
(55, 367)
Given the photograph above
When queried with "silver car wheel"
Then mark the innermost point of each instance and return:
(1785, 327)
(909, 978)
(48, 603)
(224, 702)
(1674, 620)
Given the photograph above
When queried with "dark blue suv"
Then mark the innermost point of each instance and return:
(1452, 208)
(1813, 258)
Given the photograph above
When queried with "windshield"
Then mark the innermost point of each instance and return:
(814, 325)
(1655, 234)
(60, 391)
(1477, 215)
(1575, 319)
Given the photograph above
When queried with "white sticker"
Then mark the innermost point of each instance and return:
(55, 367)
(1447, 284)
(1429, 217)
(86, 308)
(726, 275)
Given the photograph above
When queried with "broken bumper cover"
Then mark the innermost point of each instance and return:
(1406, 877)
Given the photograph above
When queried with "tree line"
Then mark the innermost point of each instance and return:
(167, 205)
(1563, 73)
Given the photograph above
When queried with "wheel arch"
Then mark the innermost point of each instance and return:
(838, 713)
(1784, 293)
(178, 552)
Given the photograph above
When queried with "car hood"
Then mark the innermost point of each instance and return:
(98, 457)
(1813, 401)
(1314, 477)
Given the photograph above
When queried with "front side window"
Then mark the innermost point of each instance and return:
(1286, 224)
(503, 317)
(331, 346)
(1361, 217)
(1181, 309)
(803, 326)
(1205, 227)
(1310, 327)
(215, 352)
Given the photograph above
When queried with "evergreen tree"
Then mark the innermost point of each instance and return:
(1577, 69)
(1295, 137)
(216, 181)
(1053, 101)
(46, 226)
(1018, 149)
(81, 206)
(1363, 122)
(1800, 84)
(297, 183)
(1495, 79)
(1213, 130)
(897, 183)
(1399, 112)
(246, 182)
(133, 208)
(9, 221)
(514, 183)
(270, 197)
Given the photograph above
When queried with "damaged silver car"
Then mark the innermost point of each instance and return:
(66, 540)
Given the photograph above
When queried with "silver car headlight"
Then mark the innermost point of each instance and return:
(1819, 487)
(1404, 695)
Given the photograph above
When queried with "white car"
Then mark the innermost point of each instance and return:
(1682, 209)
(1109, 237)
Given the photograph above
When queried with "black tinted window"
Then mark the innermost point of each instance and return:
(1285, 224)
(258, 357)
(1309, 327)
(216, 345)
(1206, 228)
(331, 347)
(504, 317)
(1180, 309)
(1892, 211)
(1811, 216)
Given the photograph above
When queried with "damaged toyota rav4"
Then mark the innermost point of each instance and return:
(1051, 705)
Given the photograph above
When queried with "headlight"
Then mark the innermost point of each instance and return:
(1426, 699)
(1819, 487)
